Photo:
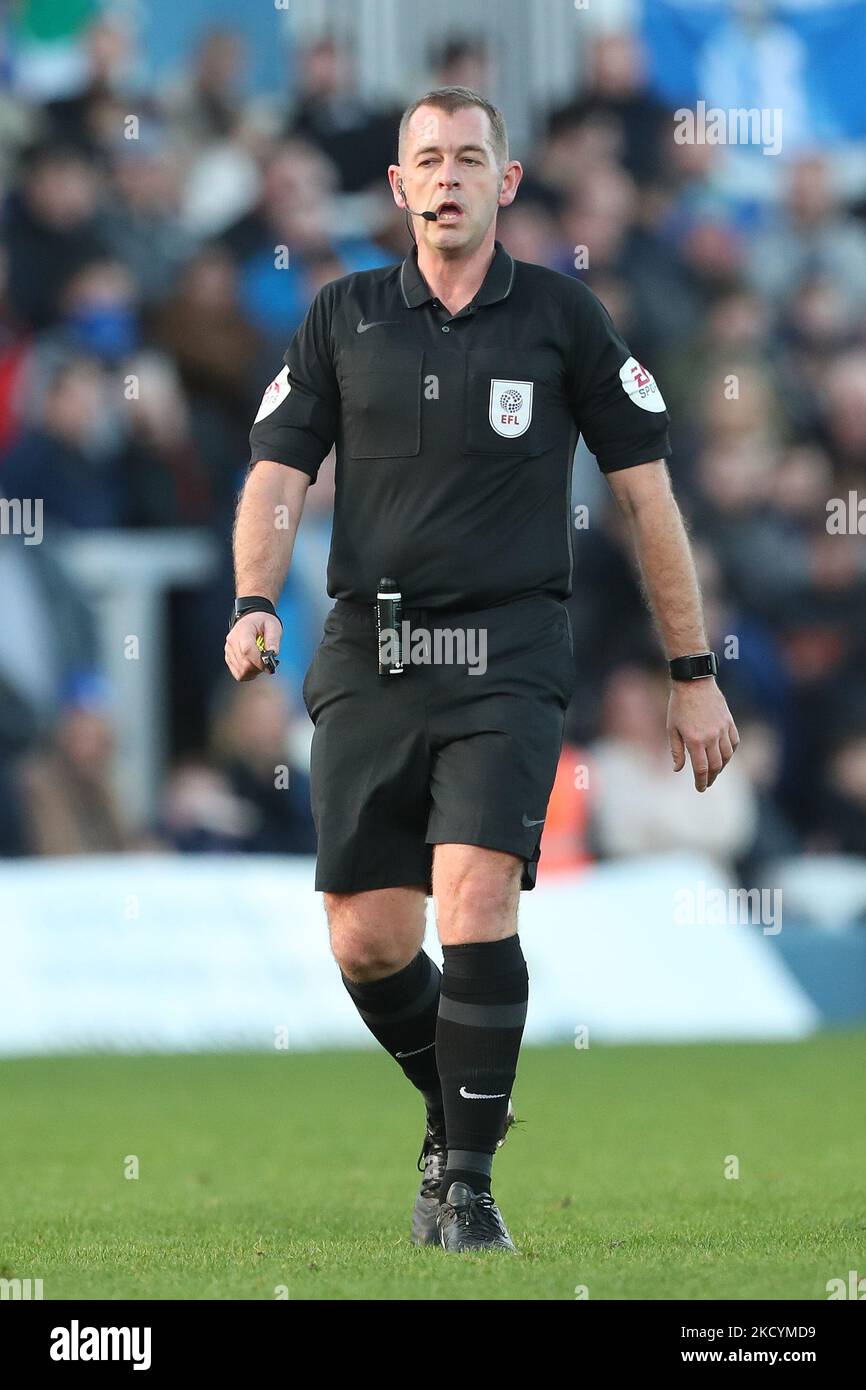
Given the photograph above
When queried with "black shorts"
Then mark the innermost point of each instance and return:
(438, 754)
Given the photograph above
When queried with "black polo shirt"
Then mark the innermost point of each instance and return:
(455, 434)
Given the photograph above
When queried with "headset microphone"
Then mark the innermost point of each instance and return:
(428, 216)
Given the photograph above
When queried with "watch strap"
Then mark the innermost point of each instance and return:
(694, 668)
(253, 603)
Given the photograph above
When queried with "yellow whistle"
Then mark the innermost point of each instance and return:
(270, 660)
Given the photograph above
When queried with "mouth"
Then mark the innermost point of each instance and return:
(449, 211)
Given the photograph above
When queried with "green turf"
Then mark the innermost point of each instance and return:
(298, 1170)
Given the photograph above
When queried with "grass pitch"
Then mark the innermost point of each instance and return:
(296, 1172)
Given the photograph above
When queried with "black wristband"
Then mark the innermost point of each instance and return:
(253, 603)
(694, 668)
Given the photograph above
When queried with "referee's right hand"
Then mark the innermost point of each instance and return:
(243, 657)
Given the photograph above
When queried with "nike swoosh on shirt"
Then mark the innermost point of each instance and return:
(362, 327)
(529, 823)
(472, 1095)
(417, 1050)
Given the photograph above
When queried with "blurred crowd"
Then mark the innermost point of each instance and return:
(143, 310)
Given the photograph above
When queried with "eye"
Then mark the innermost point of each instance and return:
(468, 160)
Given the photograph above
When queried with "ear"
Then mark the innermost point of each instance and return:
(511, 176)
(396, 185)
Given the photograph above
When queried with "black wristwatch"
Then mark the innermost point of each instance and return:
(253, 603)
(694, 668)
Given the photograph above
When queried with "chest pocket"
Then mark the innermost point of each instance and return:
(508, 410)
(381, 392)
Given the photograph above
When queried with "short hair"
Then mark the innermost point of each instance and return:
(451, 99)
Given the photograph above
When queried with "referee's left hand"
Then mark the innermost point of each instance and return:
(700, 722)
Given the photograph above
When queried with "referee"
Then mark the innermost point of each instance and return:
(454, 387)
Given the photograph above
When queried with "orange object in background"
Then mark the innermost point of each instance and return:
(563, 842)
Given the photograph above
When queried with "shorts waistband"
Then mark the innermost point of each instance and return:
(364, 614)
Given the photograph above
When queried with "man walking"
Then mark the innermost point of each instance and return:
(454, 387)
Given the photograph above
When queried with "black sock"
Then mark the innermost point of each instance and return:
(401, 1011)
(482, 1011)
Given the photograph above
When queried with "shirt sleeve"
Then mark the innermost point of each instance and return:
(616, 402)
(298, 418)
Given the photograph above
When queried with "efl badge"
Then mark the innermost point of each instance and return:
(276, 392)
(640, 385)
(510, 407)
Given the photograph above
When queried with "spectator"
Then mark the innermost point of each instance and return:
(615, 110)
(44, 608)
(52, 230)
(637, 806)
(842, 809)
(359, 141)
(164, 479)
(255, 795)
(280, 245)
(98, 313)
(17, 729)
(811, 235)
(464, 61)
(204, 328)
(204, 105)
(63, 456)
(69, 804)
(93, 117)
(142, 226)
(222, 360)
(14, 345)
(775, 837)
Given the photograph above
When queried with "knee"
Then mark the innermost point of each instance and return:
(361, 948)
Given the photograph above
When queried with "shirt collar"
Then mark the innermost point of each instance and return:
(496, 285)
